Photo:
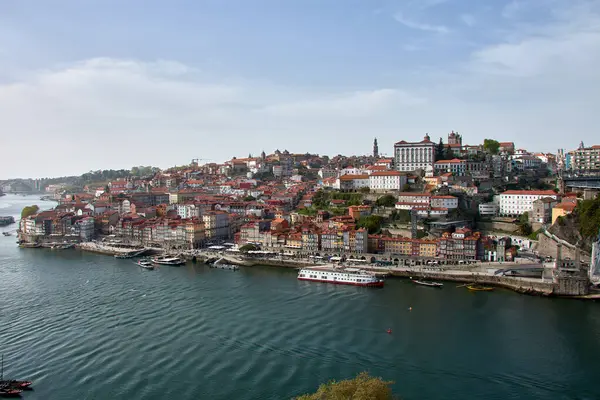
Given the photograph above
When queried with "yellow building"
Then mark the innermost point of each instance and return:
(562, 209)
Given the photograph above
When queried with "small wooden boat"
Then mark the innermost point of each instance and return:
(7, 391)
(480, 288)
(426, 283)
(13, 384)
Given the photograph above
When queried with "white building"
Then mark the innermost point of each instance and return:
(352, 182)
(488, 209)
(517, 202)
(408, 200)
(328, 172)
(387, 180)
(410, 156)
(186, 211)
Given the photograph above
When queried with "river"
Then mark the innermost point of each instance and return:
(86, 326)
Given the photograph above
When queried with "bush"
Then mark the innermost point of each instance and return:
(386, 201)
(363, 387)
(248, 247)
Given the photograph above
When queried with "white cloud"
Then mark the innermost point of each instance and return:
(468, 19)
(104, 113)
(413, 24)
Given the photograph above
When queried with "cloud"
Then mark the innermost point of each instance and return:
(409, 23)
(109, 113)
(468, 19)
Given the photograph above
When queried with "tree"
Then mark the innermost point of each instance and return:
(249, 198)
(372, 223)
(439, 150)
(386, 201)
(525, 228)
(29, 210)
(248, 247)
(491, 146)
(363, 387)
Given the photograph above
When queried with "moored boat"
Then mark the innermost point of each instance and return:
(427, 283)
(147, 264)
(479, 288)
(14, 384)
(225, 266)
(168, 260)
(340, 276)
(7, 391)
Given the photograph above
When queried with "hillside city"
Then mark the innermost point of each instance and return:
(432, 202)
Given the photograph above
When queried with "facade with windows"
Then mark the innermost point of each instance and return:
(410, 156)
(517, 202)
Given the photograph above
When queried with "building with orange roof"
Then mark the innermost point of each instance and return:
(562, 209)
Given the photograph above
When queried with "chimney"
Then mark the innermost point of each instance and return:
(558, 254)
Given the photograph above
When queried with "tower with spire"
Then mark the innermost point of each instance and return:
(375, 149)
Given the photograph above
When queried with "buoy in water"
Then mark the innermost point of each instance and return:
(409, 308)
(389, 330)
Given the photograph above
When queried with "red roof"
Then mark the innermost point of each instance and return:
(531, 192)
(386, 173)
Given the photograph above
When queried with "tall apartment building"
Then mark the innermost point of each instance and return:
(585, 158)
(410, 156)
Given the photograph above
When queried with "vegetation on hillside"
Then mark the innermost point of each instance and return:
(372, 223)
(363, 387)
(491, 146)
(322, 198)
(386, 201)
(525, 228)
(104, 175)
(29, 210)
(588, 217)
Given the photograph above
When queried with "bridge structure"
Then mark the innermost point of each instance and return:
(589, 179)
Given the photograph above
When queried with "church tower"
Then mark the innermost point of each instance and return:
(375, 149)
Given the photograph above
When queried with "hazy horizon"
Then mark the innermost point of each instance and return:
(107, 85)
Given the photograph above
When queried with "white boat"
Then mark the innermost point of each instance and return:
(340, 276)
(168, 260)
(427, 283)
(147, 264)
(225, 266)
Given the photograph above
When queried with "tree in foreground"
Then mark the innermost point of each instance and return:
(29, 210)
(363, 387)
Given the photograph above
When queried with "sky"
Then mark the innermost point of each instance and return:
(110, 84)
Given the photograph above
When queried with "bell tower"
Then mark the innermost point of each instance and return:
(375, 149)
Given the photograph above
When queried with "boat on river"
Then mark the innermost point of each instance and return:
(220, 265)
(480, 288)
(11, 387)
(168, 260)
(340, 276)
(145, 263)
(427, 283)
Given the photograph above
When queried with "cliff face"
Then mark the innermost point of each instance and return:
(568, 228)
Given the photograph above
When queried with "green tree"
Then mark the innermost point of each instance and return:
(249, 198)
(29, 210)
(439, 150)
(372, 223)
(525, 228)
(248, 247)
(491, 146)
(386, 201)
(363, 387)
